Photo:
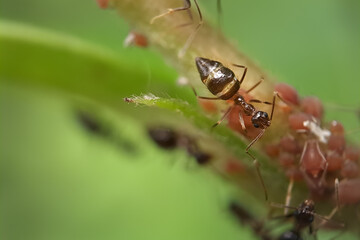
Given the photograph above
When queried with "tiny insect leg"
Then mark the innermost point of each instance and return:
(335, 210)
(242, 123)
(268, 103)
(256, 163)
(255, 86)
(223, 117)
(183, 50)
(200, 97)
(288, 195)
(244, 73)
(187, 5)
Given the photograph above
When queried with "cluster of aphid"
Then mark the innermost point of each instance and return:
(312, 151)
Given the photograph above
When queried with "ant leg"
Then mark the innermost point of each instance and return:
(288, 195)
(200, 97)
(242, 123)
(182, 51)
(337, 208)
(268, 103)
(273, 105)
(223, 117)
(244, 73)
(187, 5)
(337, 193)
(322, 179)
(256, 163)
(255, 86)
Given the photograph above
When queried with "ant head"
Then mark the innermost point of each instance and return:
(205, 66)
(261, 120)
(308, 205)
(305, 213)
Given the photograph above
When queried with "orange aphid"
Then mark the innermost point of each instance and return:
(286, 159)
(233, 166)
(337, 128)
(290, 145)
(334, 160)
(294, 173)
(234, 123)
(287, 93)
(337, 143)
(208, 106)
(312, 160)
(352, 153)
(349, 169)
(103, 3)
(349, 191)
(296, 120)
(136, 39)
(312, 106)
(272, 150)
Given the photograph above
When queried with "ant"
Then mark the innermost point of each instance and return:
(304, 215)
(222, 82)
(169, 139)
(186, 7)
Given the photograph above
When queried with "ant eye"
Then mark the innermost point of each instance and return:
(266, 115)
(256, 125)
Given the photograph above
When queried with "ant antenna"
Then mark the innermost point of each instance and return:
(187, 5)
(288, 195)
(190, 39)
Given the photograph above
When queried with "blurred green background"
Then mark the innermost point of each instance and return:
(60, 182)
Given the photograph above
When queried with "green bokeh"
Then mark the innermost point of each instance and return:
(59, 182)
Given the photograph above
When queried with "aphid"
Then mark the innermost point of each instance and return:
(186, 7)
(103, 3)
(349, 191)
(312, 106)
(169, 139)
(313, 163)
(222, 83)
(245, 218)
(288, 93)
(136, 39)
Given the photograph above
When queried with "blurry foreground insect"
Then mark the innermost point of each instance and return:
(169, 139)
(186, 7)
(222, 82)
(97, 127)
(245, 218)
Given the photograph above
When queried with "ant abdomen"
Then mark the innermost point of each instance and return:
(220, 80)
